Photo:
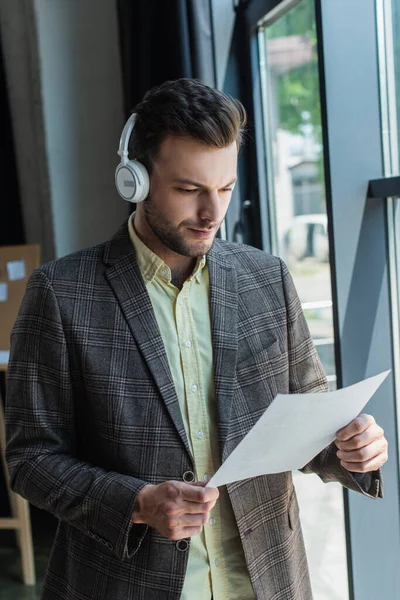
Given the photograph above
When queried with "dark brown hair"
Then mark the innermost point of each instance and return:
(185, 108)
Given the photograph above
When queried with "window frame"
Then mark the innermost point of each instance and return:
(361, 305)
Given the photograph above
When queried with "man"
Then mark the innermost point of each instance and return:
(138, 365)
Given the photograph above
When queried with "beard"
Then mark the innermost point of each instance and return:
(172, 236)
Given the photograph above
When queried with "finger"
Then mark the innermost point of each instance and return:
(181, 533)
(370, 465)
(197, 508)
(357, 426)
(174, 525)
(362, 454)
(193, 493)
(196, 520)
(371, 434)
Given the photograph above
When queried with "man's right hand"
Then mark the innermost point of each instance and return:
(176, 510)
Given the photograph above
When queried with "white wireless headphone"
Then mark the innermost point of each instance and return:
(131, 177)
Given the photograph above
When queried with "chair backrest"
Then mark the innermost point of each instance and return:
(16, 265)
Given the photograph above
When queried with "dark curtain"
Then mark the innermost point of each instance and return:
(168, 39)
(11, 228)
(243, 218)
(161, 40)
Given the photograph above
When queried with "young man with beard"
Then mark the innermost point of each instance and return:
(138, 365)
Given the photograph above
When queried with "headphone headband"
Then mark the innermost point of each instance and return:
(125, 136)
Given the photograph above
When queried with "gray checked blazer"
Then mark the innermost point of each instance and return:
(92, 416)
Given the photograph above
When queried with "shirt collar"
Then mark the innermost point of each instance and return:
(151, 265)
(198, 270)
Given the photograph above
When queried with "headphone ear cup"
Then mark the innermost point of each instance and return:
(132, 181)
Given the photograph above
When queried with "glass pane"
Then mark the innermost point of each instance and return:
(396, 41)
(294, 148)
(389, 64)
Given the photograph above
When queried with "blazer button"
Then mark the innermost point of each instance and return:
(188, 476)
(182, 545)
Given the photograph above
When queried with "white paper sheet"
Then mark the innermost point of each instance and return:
(294, 429)
(16, 270)
(3, 292)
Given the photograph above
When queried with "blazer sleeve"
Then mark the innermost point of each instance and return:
(306, 375)
(41, 436)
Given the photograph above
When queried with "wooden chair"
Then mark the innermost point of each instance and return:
(21, 519)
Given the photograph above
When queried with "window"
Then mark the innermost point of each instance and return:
(388, 22)
(288, 50)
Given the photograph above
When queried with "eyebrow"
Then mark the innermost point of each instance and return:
(200, 185)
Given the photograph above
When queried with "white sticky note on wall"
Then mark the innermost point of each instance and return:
(16, 270)
(4, 357)
(3, 292)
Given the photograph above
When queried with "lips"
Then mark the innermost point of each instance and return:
(202, 232)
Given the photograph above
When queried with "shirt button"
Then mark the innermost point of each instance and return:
(200, 435)
(147, 276)
(164, 271)
(212, 521)
(217, 562)
(180, 301)
(206, 477)
(188, 344)
(194, 388)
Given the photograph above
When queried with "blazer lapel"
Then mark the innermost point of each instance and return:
(127, 283)
(224, 308)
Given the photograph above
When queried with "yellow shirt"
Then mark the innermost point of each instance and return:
(216, 566)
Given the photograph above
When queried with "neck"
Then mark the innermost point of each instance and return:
(178, 277)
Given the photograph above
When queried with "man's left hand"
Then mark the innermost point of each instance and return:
(362, 445)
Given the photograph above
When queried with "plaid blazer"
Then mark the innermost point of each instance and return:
(92, 416)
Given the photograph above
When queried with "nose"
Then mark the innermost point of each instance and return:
(211, 209)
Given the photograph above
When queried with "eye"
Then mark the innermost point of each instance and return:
(186, 191)
(227, 190)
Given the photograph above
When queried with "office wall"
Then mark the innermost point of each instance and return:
(63, 71)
